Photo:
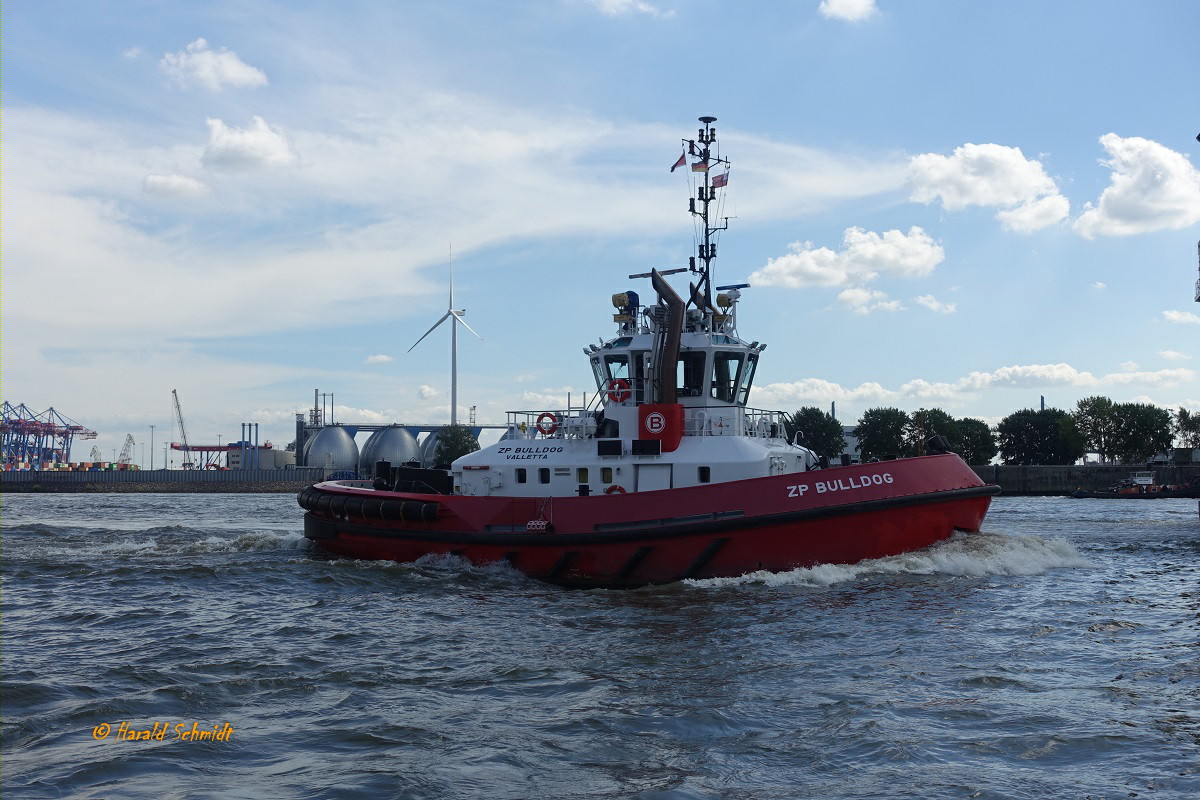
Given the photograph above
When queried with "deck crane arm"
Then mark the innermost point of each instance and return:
(127, 450)
(187, 450)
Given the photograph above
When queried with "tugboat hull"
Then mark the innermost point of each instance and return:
(836, 516)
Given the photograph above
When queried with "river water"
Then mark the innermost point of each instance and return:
(1054, 655)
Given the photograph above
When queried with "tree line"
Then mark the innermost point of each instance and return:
(1125, 433)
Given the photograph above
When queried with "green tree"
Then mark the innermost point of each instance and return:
(927, 423)
(1141, 430)
(1187, 428)
(819, 431)
(1095, 420)
(977, 444)
(1039, 437)
(454, 442)
(880, 434)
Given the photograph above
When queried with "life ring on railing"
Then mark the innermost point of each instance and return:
(616, 488)
(618, 390)
(547, 423)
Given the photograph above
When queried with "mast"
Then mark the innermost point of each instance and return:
(702, 149)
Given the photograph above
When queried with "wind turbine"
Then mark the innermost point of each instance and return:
(457, 315)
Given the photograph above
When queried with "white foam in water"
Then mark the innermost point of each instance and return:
(971, 554)
(119, 547)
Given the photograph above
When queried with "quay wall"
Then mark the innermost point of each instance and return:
(1062, 480)
(246, 481)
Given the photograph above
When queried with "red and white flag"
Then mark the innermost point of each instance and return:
(720, 180)
(682, 160)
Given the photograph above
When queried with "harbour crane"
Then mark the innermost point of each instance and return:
(97, 456)
(187, 450)
(126, 456)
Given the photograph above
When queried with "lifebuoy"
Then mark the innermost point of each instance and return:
(547, 423)
(618, 390)
(616, 488)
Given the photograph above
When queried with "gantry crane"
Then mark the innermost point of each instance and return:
(187, 450)
(127, 450)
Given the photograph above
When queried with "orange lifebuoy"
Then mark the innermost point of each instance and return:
(615, 489)
(618, 390)
(547, 423)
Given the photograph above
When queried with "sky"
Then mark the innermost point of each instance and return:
(965, 206)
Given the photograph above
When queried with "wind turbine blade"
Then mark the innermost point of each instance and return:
(431, 330)
(468, 327)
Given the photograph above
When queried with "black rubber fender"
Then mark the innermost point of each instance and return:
(337, 505)
(354, 506)
(323, 502)
(392, 509)
(429, 512)
(370, 508)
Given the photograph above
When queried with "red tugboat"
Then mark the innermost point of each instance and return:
(668, 475)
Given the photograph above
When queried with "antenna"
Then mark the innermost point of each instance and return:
(457, 316)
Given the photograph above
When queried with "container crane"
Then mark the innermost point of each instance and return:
(187, 450)
(126, 456)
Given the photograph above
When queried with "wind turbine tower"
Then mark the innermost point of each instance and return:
(456, 315)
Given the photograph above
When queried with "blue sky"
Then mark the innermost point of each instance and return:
(940, 204)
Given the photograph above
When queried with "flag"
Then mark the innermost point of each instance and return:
(700, 166)
(720, 180)
(682, 160)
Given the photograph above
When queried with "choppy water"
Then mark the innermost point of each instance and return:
(1055, 655)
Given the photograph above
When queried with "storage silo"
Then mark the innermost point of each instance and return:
(394, 444)
(333, 448)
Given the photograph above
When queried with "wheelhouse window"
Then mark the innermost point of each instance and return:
(598, 372)
(617, 366)
(747, 378)
(690, 378)
(725, 375)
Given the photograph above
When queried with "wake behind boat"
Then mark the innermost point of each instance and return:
(668, 475)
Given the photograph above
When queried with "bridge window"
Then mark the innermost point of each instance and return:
(617, 366)
(598, 372)
(725, 375)
(747, 379)
(690, 377)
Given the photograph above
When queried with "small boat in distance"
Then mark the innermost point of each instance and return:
(667, 475)
(1142, 485)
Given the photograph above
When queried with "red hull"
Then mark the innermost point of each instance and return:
(836, 516)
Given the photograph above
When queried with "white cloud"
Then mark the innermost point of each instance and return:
(865, 255)
(378, 359)
(1129, 366)
(1174, 355)
(1182, 317)
(1100, 285)
(864, 301)
(427, 392)
(214, 70)
(1153, 187)
(615, 8)
(1029, 376)
(253, 146)
(1162, 377)
(849, 10)
(933, 304)
(174, 186)
(131, 54)
(990, 175)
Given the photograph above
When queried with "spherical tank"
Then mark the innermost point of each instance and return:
(394, 444)
(429, 448)
(335, 444)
